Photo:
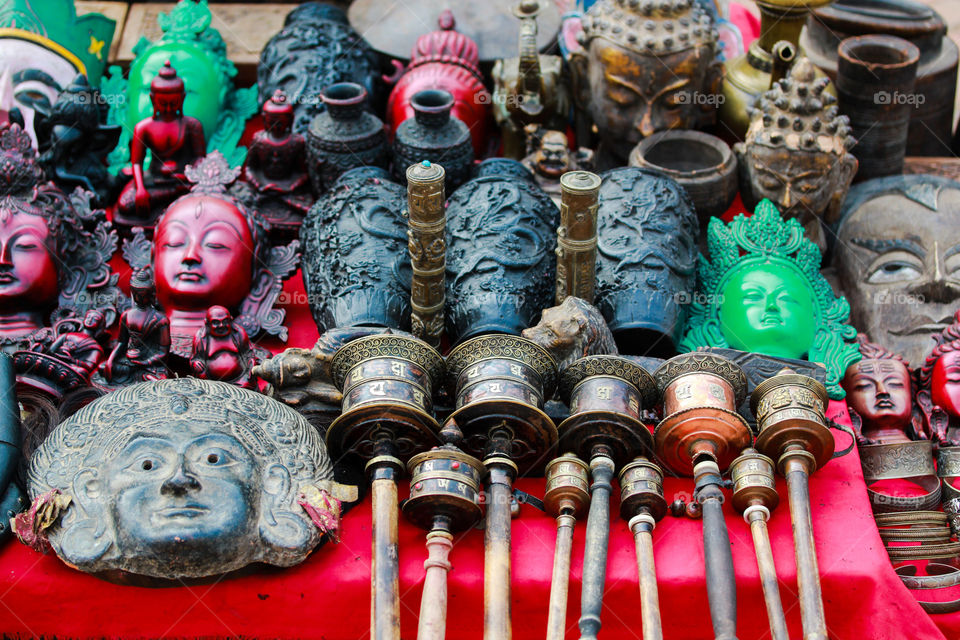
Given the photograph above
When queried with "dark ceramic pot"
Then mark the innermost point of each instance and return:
(356, 269)
(345, 137)
(700, 163)
(876, 76)
(501, 234)
(931, 120)
(433, 134)
(646, 257)
(316, 48)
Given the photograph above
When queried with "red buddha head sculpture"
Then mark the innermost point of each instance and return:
(278, 114)
(879, 393)
(940, 374)
(167, 94)
(210, 250)
(53, 248)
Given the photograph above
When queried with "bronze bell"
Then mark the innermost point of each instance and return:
(607, 395)
(500, 383)
(790, 411)
(387, 383)
(701, 393)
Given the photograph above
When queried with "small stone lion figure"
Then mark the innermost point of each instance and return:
(571, 331)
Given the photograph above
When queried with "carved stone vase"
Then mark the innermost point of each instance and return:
(433, 134)
(356, 269)
(345, 136)
(500, 258)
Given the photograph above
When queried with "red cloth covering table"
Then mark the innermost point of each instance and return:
(328, 596)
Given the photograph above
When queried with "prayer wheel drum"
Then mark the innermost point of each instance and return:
(753, 481)
(641, 487)
(500, 382)
(568, 486)
(790, 410)
(701, 393)
(387, 383)
(606, 395)
(444, 483)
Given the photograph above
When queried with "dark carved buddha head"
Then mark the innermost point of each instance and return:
(897, 258)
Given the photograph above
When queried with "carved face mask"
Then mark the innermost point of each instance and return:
(182, 478)
(897, 256)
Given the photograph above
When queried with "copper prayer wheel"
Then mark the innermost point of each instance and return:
(606, 395)
(444, 499)
(642, 505)
(789, 408)
(701, 393)
(427, 242)
(755, 496)
(577, 235)
(790, 417)
(387, 383)
(566, 498)
(500, 383)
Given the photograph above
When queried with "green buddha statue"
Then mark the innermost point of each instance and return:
(761, 290)
(199, 54)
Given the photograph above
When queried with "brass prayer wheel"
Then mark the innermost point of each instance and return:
(606, 395)
(755, 496)
(427, 242)
(500, 383)
(387, 383)
(642, 505)
(445, 483)
(577, 235)
(641, 488)
(701, 393)
(444, 499)
(789, 408)
(752, 475)
(566, 498)
(568, 486)
(790, 416)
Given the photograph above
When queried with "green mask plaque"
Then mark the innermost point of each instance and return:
(761, 290)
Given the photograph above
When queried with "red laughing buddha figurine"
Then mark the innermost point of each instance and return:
(174, 141)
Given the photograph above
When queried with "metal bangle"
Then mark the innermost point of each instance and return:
(920, 534)
(949, 578)
(945, 551)
(885, 503)
(936, 518)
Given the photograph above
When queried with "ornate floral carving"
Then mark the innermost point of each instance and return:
(614, 366)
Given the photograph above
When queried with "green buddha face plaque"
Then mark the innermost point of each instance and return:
(761, 290)
(767, 308)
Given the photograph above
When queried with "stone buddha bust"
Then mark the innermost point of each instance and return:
(646, 66)
(185, 478)
(796, 151)
(761, 290)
